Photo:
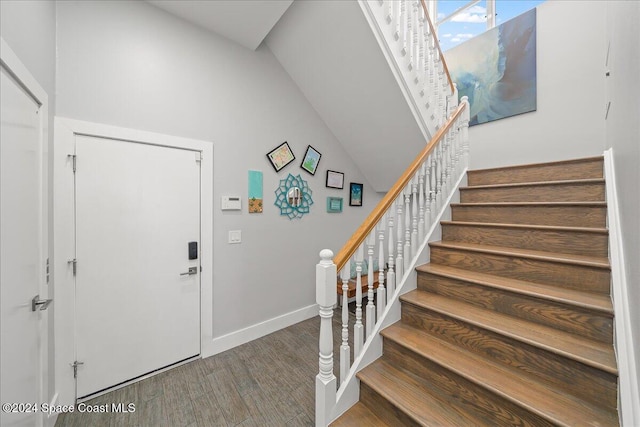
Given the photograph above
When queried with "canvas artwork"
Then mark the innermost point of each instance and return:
(255, 191)
(497, 70)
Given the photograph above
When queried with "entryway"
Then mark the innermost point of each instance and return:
(131, 279)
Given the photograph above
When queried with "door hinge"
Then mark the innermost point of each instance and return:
(73, 161)
(198, 156)
(74, 265)
(75, 365)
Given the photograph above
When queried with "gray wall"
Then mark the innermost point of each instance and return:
(29, 28)
(130, 64)
(569, 121)
(623, 135)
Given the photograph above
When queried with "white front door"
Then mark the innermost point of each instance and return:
(22, 248)
(137, 285)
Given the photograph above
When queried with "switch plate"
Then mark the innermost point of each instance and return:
(235, 236)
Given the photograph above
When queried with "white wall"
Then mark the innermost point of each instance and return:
(569, 121)
(30, 30)
(130, 64)
(623, 135)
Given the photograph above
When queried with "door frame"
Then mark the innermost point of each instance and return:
(65, 133)
(25, 79)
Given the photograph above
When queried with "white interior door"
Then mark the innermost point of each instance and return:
(137, 208)
(22, 244)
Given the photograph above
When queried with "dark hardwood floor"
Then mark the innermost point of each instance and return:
(266, 382)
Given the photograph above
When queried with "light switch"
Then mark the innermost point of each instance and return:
(235, 236)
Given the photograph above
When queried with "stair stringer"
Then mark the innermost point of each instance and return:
(628, 388)
(349, 394)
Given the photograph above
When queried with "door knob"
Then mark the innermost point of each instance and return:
(44, 303)
(192, 270)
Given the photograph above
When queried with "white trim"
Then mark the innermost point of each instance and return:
(51, 419)
(250, 333)
(64, 245)
(372, 350)
(628, 389)
(21, 74)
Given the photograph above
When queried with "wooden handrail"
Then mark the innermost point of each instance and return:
(437, 43)
(374, 217)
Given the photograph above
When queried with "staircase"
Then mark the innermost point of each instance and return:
(512, 321)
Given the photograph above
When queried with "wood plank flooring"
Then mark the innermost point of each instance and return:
(266, 382)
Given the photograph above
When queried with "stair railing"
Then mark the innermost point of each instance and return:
(409, 41)
(390, 239)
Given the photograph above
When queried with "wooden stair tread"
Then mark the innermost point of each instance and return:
(536, 183)
(537, 165)
(527, 226)
(588, 300)
(415, 400)
(588, 261)
(528, 204)
(547, 402)
(359, 414)
(592, 353)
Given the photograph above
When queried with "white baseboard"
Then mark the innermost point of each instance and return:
(234, 339)
(628, 387)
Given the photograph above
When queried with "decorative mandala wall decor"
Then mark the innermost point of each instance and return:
(293, 197)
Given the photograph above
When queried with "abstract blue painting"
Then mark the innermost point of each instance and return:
(497, 70)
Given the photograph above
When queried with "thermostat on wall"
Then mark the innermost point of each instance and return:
(230, 203)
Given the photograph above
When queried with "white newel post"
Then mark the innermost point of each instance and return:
(326, 297)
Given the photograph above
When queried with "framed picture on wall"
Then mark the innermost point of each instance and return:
(334, 204)
(355, 194)
(281, 156)
(335, 179)
(311, 160)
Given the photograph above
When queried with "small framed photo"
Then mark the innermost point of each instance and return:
(334, 204)
(335, 179)
(311, 160)
(281, 156)
(355, 194)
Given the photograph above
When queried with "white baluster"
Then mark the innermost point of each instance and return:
(371, 308)
(465, 132)
(439, 175)
(414, 214)
(390, 11)
(382, 295)
(427, 194)
(421, 202)
(358, 329)
(391, 276)
(345, 353)
(420, 48)
(412, 31)
(433, 186)
(407, 227)
(403, 28)
(400, 232)
(326, 297)
(397, 11)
